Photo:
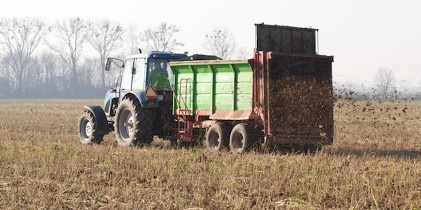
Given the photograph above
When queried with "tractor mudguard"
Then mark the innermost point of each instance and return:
(101, 119)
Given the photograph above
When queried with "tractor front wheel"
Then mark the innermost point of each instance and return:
(133, 123)
(88, 132)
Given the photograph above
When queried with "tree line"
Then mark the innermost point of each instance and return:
(66, 59)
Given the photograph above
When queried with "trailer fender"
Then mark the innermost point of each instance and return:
(207, 123)
(101, 119)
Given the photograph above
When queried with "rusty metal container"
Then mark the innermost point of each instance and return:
(293, 97)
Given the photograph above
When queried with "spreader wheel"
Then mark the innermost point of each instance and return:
(217, 137)
(241, 138)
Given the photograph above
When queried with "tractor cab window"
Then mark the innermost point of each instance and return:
(139, 74)
(126, 80)
(160, 74)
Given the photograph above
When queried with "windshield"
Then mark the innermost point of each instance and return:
(160, 74)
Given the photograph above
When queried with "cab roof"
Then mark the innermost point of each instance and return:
(158, 54)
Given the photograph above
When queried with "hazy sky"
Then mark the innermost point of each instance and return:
(362, 35)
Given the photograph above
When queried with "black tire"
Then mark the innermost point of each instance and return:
(147, 125)
(241, 139)
(87, 129)
(217, 137)
(133, 124)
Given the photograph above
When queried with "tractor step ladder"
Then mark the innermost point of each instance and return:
(185, 126)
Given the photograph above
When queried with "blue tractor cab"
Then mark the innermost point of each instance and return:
(139, 106)
(143, 76)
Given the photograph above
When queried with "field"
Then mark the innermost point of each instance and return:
(374, 163)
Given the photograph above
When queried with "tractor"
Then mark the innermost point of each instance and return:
(139, 106)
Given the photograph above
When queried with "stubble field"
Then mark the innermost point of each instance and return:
(374, 163)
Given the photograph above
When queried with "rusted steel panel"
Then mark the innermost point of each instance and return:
(260, 89)
(293, 97)
(286, 39)
(233, 115)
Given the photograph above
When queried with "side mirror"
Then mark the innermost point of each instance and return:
(108, 64)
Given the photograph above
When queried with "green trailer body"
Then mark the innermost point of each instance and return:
(222, 90)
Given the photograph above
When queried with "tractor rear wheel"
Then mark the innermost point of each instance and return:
(88, 132)
(217, 137)
(133, 124)
(240, 138)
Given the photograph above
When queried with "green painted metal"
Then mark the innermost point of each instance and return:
(214, 85)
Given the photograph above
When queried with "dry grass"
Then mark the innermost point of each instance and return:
(374, 163)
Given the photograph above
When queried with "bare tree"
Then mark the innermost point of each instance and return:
(243, 54)
(49, 65)
(5, 87)
(385, 81)
(220, 42)
(87, 76)
(20, 37)
(132, 39)
(71, 35)
(161, 38)
(104, 38)
(33, 81)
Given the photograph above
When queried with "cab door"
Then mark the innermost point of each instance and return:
(127, 78)
(139, 82)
